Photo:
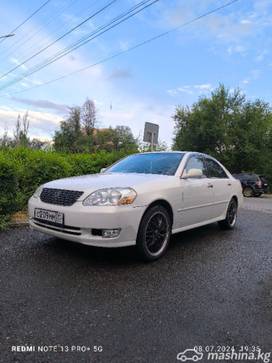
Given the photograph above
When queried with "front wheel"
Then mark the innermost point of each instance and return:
(154, 233)
(231, 216)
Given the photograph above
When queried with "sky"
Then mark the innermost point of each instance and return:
(232, 46)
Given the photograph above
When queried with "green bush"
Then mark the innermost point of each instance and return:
(8, 190)
(90, 164)
(22, 170)
(39, 168)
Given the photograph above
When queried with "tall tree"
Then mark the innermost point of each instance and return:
(68, 138)
(21, 130)
(88, 117)
(123, 139)
(235, 130)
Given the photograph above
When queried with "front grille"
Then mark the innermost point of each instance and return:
(60, 196)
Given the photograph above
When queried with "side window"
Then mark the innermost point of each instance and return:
(214, 170)
(195, 162)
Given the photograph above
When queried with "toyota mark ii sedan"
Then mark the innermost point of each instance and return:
(140, 200)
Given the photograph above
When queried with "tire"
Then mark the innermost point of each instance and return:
(258, 195)
(248, 192)
(231, 216)
(154, 233)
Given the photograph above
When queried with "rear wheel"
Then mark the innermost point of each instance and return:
(231, 216)
(248, 192)
(154, 233)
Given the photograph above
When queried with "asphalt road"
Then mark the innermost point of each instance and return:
(212, 288)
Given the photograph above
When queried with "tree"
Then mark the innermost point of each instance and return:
(235, 130)
(5, 140)
(123, 139)
(115, 139)
(88, 117)
(69, 137)
(146, 147)
(78, 133)
(21, 130)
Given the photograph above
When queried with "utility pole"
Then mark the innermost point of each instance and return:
(6, 36)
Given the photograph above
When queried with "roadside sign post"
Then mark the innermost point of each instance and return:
(151, 134)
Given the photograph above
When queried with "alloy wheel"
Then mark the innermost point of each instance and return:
(232, 213)
(157, 233)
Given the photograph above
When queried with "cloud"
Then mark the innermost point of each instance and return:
(254, 75)
(42, 104)
(134, 113)
(261, 56)
(224, 25)
(191, 89)
(41, 123)
(237, 30)
(120, 74)
(124, 45)
(241, 49)
(17, 63)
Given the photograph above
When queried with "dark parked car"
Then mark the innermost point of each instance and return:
(265, 183)
(252, 184)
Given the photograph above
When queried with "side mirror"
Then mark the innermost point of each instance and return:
(192, 173)
(102, 170)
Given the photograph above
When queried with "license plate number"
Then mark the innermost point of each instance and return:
(49, 216)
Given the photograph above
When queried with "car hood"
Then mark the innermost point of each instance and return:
(90, 183)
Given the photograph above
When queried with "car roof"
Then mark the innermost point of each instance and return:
(176, 152)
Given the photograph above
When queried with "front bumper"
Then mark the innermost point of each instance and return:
(79, 221)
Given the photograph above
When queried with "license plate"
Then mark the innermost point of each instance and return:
(49, 215)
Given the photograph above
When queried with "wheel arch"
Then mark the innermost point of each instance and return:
(165, 204)
(236, 199)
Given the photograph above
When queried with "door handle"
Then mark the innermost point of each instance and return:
(229, 184)
(210, 185)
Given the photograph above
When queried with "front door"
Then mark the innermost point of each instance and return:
(197, 194)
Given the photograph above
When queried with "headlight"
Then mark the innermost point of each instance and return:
(111, 196)
(38, 192)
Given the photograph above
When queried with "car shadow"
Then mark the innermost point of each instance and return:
(180, 242)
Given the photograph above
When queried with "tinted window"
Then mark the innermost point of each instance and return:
(214, 170)
(253, 177)
(149, 163)
(195, 162)
(249, 177)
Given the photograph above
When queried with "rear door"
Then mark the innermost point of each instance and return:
(221, 185)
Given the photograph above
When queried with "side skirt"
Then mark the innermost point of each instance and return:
(192, 226)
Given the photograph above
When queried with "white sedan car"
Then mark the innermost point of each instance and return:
(140, 200)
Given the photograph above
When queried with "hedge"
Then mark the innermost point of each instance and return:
(23, 170)
(8, 190)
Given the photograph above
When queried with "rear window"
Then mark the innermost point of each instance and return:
(253, 177)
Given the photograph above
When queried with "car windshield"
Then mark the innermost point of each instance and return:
(149, 163)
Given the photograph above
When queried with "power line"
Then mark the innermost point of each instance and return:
(81, 43)
(28, 18)
(22, 41)
(101, 30)
(138, 45)
(61, 37)
(7, 36)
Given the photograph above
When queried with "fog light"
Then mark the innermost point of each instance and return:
(111, 233)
